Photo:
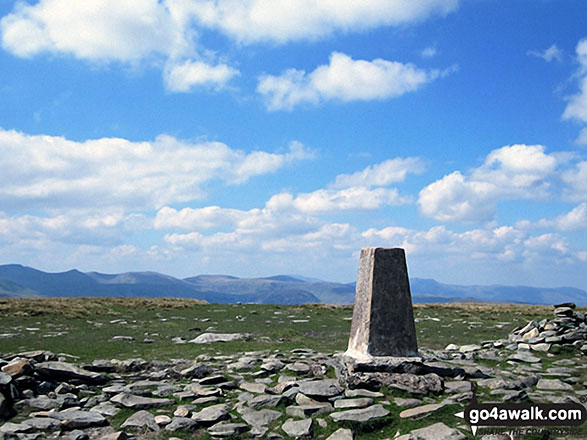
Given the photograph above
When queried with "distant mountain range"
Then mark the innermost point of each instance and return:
(22, 281)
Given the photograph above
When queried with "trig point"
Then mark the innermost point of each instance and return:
(383, 320)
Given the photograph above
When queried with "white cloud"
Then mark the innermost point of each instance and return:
(576, 180)
(342, 79)
(429, 52)
(574, 220)
(108, 30)
(325, 201)
(582, 138)
(577, 106)
(184, 77)
(511, 172)
(249, 21)
(548, 55)
(381, 174)
(53, 172)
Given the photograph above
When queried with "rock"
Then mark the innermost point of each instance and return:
(362, 393)
(106, 408)
(162, 420)
(321, 388)
(524, 356)
(341, 434)
(469, 348)
(353, 403)
(451, 347)
(360, 415)
(138, 402)
(181, 423)
(553, 385)
(406, 403)
(123, 338)
(212, 414)
(207, 338)
(18, 367)
(76, 419)
(298, 428)
(265, 400)
(299, 368)
(412, 383)
(253, 387)
(303, 411)
(261, 418)
(77, 435)
(227, 429)
(272, 366)
(420, 411)
(197, 371)
(64, 372)
(141, 419)
(438, 431)
(119, 435)
(457, 386)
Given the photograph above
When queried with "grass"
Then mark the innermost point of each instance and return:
(84, 328)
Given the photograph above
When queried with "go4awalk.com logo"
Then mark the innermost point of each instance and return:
(532, 415)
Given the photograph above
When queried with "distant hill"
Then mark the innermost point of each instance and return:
(22, 281)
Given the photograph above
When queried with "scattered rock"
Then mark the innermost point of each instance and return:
(207, 338)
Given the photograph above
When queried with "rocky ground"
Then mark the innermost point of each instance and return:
(296, 394)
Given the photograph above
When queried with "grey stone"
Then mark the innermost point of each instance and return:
(212, 414)
(265, 400)
(553, 385)
(298, 428)
(341, 434)
(207, 338)
(253, 387)
(303, 411)
(162, 420)
(457, 386)
(42, 424)
(360, 415)
(63, 372)
(406, 403)
(77, 435)
(299, 367)
(138, 402)
(227, 429)
(438, 431)
(353, 403)
(106, 408)
(524, 356)
(76, 419)
(197, 371)
(321, 388)
(141, 419)
(261, 418)
(420, 411)
(383, 319)
(181, 423)
(362, 393)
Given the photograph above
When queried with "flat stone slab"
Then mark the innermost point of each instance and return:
(222, 430)
(438, 431)
(321, 388)
(420, 411)
(261, 418)
(553, 385)
(298, 428)
(341, 434)
(207, 338)
(360, 415)
(361, 402)
(139, 402)
(62, 371)
(212, 414)
(141, 419)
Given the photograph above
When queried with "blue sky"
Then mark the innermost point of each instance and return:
(257, 137)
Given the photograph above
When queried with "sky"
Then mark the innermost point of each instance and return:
(264, 137)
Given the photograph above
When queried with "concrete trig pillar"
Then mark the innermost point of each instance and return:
(383, 319)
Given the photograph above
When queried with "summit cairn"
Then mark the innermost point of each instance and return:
(383, 319)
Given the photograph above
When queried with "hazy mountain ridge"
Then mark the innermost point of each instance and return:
(21, 281)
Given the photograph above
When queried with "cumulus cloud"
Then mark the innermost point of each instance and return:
(577, 106)
(510, 172)
(134, 30)
(51, 172)
(548, 55)
(576, 180)
(185, 76)
(342, 79)
(381, 174)
(324, 201)
(107, 30)
(250, 21)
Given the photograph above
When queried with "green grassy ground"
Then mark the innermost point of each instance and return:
(84, 327)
